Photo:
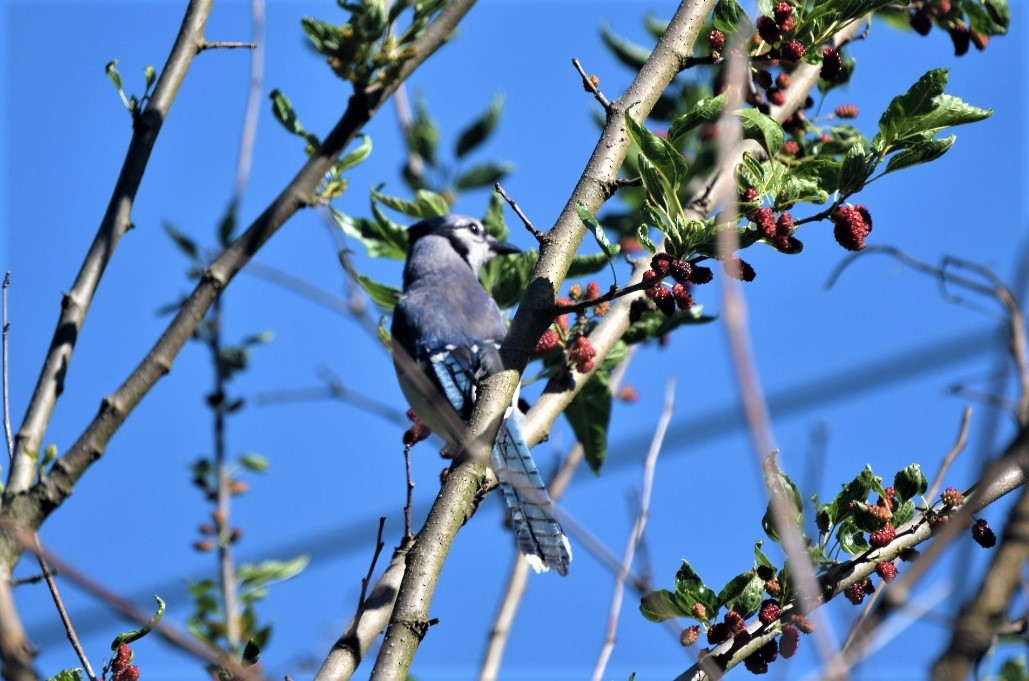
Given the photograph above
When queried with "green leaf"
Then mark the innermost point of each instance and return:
(150, 75)
(583, 265)
(384, 295)
(730, 18)
(854, 171)
(324, 36)
(185, 244)
(506, 276)
(665, 157)
(761, 558)
(269, 571)
(427, 204)
(661, 605)
(130, 636)
(763, 129)
(643, 236)
(857, 489)
(355, 157)
(67, 675)
(744, 594)
(483, 175)
(706, 110)
(991, 18)
(779, 484)
(254, 462)
(284, 113)
(480, 129)
(423, 136)
(904, 513)
(598, 231)
(851, 538)
(910, 482)
(381, 237)
(589, 415)
(923, 151)
(629, 53)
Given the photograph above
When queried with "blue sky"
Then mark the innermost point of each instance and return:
(869, 362)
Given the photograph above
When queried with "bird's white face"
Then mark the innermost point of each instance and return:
(473, 242)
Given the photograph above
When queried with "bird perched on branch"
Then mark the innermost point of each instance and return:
(446, 333)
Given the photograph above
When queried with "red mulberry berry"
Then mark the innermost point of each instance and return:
(822, 521)
(547, 342)
(764, 218)
(882, 536)
(881, 514)
(123, 658)
(737, 268)
(653, 276)
(782, 81)
(832, 64)
(886, 570)
(768, 29)
(416, 433)
(659, 266)
(889, 500)
(773, 588)
(683, 299)
(701, 275)
(592, 291)
(734, 621)
(776, 96)
(689, 635)
(699, 611)
(855, 593)
(793, 50)
(782, 12)
(763, 79)
(803, 623)
(750, 194)
(769, 652)
(980, 40)
(852, 224)
(960, 36)
(680, 271)
(791, 148)
(938, 522)
(952, 497)
(789, 642)
(664, 300)
(788, 25)
(127, 674)
(716, 39)
(741, 639)
(718, 632)
(581, 350)
(983, 535)
(755, 665)
(770, 611)
(920, 21)
(847, 111)
(628, 394)
(585, 367)
(784, 225)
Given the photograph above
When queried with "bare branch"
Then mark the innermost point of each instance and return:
(592, 84)
(959, 446)
(6, 375)
(225, 45)
(649, 466)
(518, 211)
(69, 628)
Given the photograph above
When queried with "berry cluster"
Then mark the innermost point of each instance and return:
(952, 497)
(762, 657)
(851, 226)
(946, 15)
(777, 231)
(684, 273)
(846, 111)
(215, 529)
(121, 667)
(773, 29)
(581, 353)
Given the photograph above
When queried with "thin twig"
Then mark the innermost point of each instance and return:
(6, 375)
(518, 211)
(649, 466)
(379, 544)
(409, 505)
(592, 84)
(959, 446)
(225, 45)
(69, 628)
(253, 108)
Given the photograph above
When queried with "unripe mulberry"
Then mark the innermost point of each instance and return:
(789, 642)
(628, 394)
(770, 611)
(575, 292)
(832, 64)
(547, 342)
(716, 39)
(764, 218)
(803, 623)
(737, 268)
(592, 291)
(980, 40)
(791, 148)
(983, 535)
(689, 635)
(846, 111)
(793, 50)
(855, 593)
(886, 570)
(699, 611)
(882, 536)
(773, 588)
(581, 350)
(952, 497)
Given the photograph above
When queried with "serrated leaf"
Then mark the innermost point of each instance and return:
(643, 236)
(67, 675)
(355, 157)
(269, 571)
(665, 157)
(706, 110)
(423, 136)
(480, 129)
(629, 53)
(857, 489)
(384, 295)
(853, 171)
(923, 151)
(763, 129)
(589, 415)
(729, 18)
(427, 204)
(660, 605)
(910, 482)
(483, 175)
(381, 237)
(744, 594)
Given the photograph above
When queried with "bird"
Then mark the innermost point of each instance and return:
(446, 331)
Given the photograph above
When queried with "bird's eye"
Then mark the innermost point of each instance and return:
(474, 228)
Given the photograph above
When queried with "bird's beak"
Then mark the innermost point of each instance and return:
(502, 247)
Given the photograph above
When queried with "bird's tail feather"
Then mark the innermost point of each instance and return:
(540, 536)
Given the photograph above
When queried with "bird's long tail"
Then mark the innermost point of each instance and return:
(540, 537)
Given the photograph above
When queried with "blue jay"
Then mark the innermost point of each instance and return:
(447, 326)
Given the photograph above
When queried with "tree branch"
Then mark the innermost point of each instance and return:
(31, 508)
(116, 221)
